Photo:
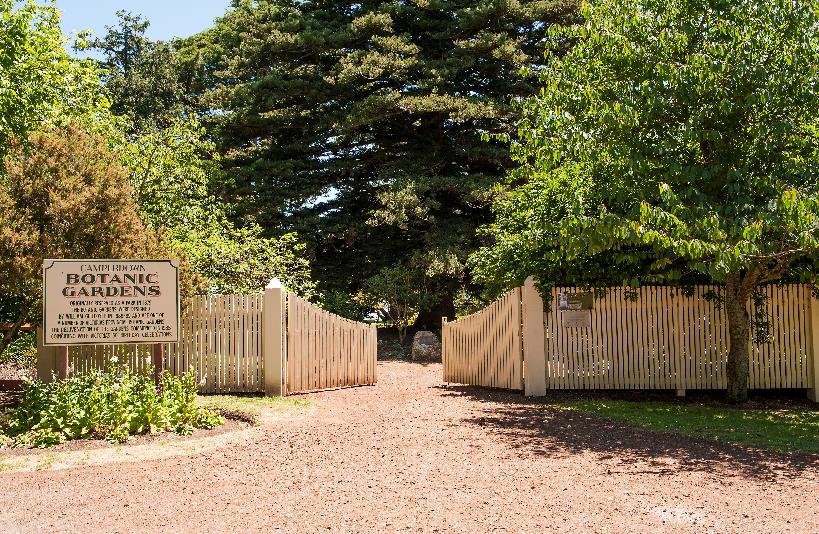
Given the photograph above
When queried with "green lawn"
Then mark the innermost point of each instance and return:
(787, 430)
(253, 407)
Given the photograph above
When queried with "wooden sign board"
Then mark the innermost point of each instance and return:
(575, 309)
(96, 302)
(576, 318)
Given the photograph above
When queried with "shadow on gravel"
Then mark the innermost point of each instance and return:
(420, 363)
(540, 427)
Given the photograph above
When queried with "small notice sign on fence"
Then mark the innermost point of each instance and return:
(575, 309)
(95, 302)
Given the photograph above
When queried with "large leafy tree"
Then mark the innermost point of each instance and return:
(360, 123)
(173, 166)
(145, 80)
(65, 195)
(41, 85)
(40, 82)
(677, 138)
(172, 171)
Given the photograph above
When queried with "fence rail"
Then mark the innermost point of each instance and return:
(485, 348)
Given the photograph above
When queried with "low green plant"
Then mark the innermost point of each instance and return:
(112, 404)
(787, 430)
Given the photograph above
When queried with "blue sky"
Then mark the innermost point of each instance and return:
(169, 18)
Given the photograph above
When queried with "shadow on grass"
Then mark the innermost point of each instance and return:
(542, 427)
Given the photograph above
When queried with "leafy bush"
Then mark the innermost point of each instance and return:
(355, 307)
(112, 405)
(398, 293)
(22, 351)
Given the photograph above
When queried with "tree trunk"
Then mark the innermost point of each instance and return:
(12, 333)
(402, 333)
(736, 298)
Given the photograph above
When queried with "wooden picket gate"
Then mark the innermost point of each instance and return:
(325, 350)
(271, 342)
(484, 348)
(651, 338)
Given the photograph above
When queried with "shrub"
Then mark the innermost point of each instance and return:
(22, 351)
(64, 194)
(112, 405)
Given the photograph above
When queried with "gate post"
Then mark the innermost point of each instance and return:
(813, 362)
(534, 341)
(273, 347)
(444, 347)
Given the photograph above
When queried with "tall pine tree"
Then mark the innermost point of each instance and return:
(361, 124)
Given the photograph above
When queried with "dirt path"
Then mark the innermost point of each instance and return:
(410, 455)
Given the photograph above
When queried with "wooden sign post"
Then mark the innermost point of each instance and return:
(62, 362)
(156, 361)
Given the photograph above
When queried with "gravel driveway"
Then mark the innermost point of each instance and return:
(411, 455)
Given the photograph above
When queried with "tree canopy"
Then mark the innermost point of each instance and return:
(145, 80)
(41, 84)
(64, 196)
(77, 127)
(172, 171)
(174, 167)
(677, 138)
(360, 124)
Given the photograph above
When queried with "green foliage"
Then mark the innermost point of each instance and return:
(244, 261)
(786, 430)
(675, 141)
(389, 348)
(41, 84)
(65, 195)
(145, 80)
(359, 125)
(112, 405)
(353, 307)
(673, 137)
(397, 293)
(172, 171)
(22, 350)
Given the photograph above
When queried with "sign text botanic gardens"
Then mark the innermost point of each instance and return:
(89, 302)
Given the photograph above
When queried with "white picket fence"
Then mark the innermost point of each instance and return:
(270, 342)
(654, 338)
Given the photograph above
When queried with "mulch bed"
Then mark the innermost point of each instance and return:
(13, 371)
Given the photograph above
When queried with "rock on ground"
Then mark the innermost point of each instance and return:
(425, 347)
